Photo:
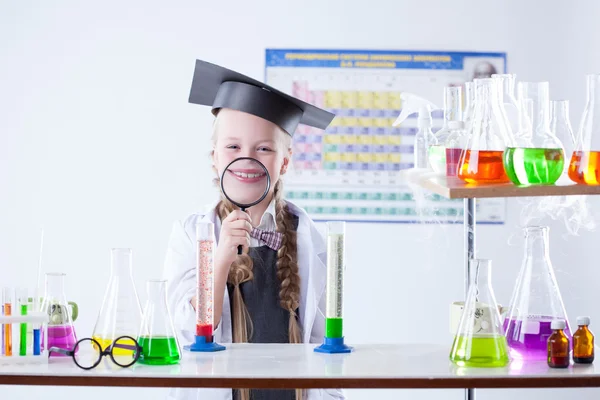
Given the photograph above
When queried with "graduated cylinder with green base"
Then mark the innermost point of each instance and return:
(333, 341)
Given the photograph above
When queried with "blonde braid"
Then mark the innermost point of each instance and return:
(287, 267)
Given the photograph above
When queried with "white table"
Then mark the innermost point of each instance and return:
(297, 366)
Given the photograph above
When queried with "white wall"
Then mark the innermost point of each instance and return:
(99, 146)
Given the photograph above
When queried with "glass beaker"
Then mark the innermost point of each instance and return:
(157, 336)
(61, 332)
(560, 126)
(489, 135)
(452, 112)
(480, 341)
(536, 300)
(541, 160)
(508, 100)
(121, 313)
(585, 161)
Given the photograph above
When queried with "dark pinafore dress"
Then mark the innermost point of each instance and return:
(270, 322)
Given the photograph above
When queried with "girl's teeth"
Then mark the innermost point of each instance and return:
(244, 175)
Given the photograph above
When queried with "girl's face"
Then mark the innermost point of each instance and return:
(239, 134)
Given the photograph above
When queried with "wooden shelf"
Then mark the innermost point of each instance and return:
(454, 188)
(298, 366)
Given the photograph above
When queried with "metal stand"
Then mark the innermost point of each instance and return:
(469, 228)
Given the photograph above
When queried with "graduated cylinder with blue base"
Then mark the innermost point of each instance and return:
(333, 341)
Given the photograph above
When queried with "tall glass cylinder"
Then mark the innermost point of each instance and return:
(469, 108)
(7, 302)
(452, 112)
(585, 161)
(205, 237)
(336, 232)
(508, 100)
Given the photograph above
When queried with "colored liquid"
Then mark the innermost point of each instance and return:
(23, 333)
(61, 336)
(452, 161)
(478, 166)
(528, 340)
(437, 158)
(585, 167)
(159, 350)
(486, 351)
(204, 330)
(334, 327)
(105, 343)
(36, 342)
(533, 166)
(7, 331)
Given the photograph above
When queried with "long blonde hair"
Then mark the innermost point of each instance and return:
(287, 272)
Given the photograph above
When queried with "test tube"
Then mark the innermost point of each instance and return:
(205, 275)
(23, 307)
(37, 348)
(335, 279)
(7, 301)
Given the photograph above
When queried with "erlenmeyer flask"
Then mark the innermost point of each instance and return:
(489, 135)
(536, 300)
(480, 341)
(121, 313)
(585, 161)
(157, 335)
(560, 126)
(541, 161)
(61, 332)
(452, 112)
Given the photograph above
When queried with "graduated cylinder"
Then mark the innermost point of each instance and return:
(205, 238)
(335, 278)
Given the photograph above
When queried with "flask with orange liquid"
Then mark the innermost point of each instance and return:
(585, 161)
(490, 134)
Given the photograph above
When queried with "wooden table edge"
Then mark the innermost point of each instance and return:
(308, 383)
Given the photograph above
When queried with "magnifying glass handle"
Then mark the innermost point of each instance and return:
(240, 246)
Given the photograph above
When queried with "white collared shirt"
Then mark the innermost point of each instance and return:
(267, 223)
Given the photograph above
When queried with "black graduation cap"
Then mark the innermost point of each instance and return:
(220, 87)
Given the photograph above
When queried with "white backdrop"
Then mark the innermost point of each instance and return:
(99, 146)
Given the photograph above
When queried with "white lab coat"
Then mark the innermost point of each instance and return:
(180, 271)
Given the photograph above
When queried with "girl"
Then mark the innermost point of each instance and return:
(273, 292)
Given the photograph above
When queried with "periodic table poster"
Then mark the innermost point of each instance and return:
(351, 171)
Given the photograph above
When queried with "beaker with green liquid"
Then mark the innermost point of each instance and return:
(480, 339)
(157, 335)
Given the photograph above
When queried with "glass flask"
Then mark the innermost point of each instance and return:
(157, 336)
(541, 161)
(121, 313)
(560, 126)
(536, 300)
(585, 160)
(480, 341)
(508, 99)
(469, 106)
(452, 112)
(61, 332)
(489, 135)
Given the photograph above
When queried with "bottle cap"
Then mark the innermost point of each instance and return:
(558, 324)
(456, 125)
(583, 320)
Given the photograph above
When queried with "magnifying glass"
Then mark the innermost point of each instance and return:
(245, 182)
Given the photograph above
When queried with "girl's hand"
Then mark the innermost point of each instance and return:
(235, 231)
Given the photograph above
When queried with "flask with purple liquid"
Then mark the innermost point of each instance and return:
(61, 332)
(536, 301)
